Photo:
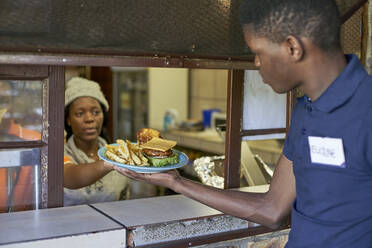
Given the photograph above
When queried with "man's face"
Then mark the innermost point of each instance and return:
(273, 62)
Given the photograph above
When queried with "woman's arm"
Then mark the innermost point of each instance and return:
(268, 209)
(78, 176)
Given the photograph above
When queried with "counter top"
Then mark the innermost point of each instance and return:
(207, 141)
(147, 222)
(155, 210)
(156, 220)
(52, 223)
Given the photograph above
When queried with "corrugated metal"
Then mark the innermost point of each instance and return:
(200, 28)
(193, 28)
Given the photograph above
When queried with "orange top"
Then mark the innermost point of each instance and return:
(23, 133)
(67, 160)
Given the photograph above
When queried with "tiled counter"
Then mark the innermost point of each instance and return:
(154, 221)
(78, 226)
(169, 221)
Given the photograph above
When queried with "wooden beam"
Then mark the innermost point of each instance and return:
(56, 103)
(262, 131)
(124, 61)
(234, 111)
(352, 10)
(365, 35)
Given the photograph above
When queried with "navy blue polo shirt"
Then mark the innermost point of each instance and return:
(333, 205)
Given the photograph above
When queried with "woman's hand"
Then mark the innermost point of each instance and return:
(165, 179)
(108, 166)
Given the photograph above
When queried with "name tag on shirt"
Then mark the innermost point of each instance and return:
(329, 151)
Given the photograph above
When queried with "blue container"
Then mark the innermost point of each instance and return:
(167, 122)
(207, 114)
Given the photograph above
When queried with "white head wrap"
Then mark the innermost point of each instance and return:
(80, 87)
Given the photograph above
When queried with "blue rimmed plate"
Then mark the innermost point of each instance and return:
(182, 161)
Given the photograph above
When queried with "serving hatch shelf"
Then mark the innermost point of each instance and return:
(207, 141)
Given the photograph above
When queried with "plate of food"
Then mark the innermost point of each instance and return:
(151, 153)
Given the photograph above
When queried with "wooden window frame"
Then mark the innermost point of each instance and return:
(51, 143)
(55, 72)
(234, 131)
(55, 109)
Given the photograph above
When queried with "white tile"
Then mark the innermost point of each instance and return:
(53, 223)
(154, 210)
(109, 239)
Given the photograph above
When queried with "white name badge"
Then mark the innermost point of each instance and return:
(329, 151)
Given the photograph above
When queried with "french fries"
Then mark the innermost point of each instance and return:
(126, 153)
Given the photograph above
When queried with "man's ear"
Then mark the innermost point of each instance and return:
(295, 48)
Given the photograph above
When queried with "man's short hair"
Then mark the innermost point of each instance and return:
(317, 20)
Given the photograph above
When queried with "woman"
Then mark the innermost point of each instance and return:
(87, 179)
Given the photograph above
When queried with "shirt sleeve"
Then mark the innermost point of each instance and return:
(288, 148)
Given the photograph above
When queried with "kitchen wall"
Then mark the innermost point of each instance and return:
(168, 88)
(208, 90)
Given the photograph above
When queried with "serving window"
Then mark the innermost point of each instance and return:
(38, 92)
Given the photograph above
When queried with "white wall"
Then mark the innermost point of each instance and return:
(168, 88)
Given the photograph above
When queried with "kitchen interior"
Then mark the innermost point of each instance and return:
(189, 106)
(144, 97)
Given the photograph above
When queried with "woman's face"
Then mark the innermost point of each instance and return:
(85, 118)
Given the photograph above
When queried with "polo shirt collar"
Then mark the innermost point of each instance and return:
(343, 87)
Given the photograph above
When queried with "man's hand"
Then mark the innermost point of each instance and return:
(165, 179)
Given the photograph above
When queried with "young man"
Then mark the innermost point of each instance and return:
(325, 172)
